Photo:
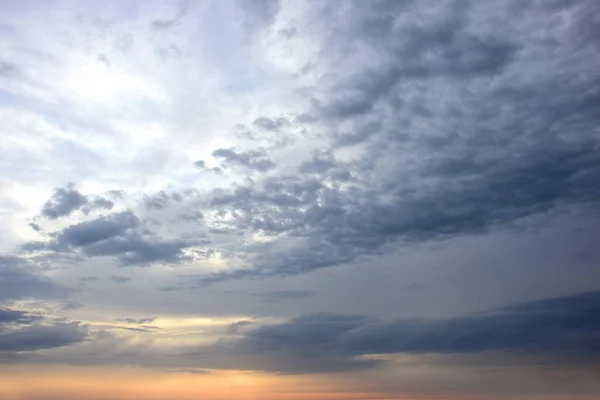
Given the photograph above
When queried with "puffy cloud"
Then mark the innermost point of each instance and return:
(119, 235)
(446, 129)
(97, 230)
(253, 160)
(63, 202)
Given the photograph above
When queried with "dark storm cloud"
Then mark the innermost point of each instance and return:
(20, 279)
(565, 328)
(63, 202)
(253, 159)
(279, 295)
(459, 132)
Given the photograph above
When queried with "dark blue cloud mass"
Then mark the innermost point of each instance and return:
(564, 329)
(454, 129)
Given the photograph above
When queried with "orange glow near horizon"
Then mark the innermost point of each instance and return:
(55, 382)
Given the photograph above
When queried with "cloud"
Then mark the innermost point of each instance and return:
(161, 200)
(271, 124)
(450, 131)
(97, 230)
(20, 278)
(257, 15)
(235, 327)
(39, 337)
(99, 203)
(183, 9)
(119, 235)
(280, 295)
(563, 328)
(89, 279)
(8, 69)
(21, 331)
(253, 159)
(119, 279)
(35, 227)
(138, 249)
(63, 202)
(16, 316)
(137, 321)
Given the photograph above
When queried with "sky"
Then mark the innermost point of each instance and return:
(300, 199)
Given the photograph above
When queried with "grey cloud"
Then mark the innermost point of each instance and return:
(134, 249)
(183, 8)
(235, 327)
(458, 130)
(117, 235)
(89, 279)
(117, 194)
(259, 14)
(137, 321)
(99, 203)
(306, 345)
(319, 164)
(20, 279)
(192, 216)
(202, 165)
(563, 328)
(253, 159)
(8, 69)
(279, 295)
(40, 337)
(16, 316)
(21, 331)
(127, 328)
(104, 59)
(63, 202)
(119, 279)
(97, 230)
(271, 124)
(157, 201)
